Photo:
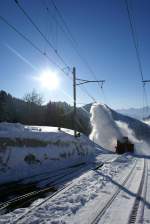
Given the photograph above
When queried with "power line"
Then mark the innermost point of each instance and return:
(32, 44)
(60, 26)
(62, 29)
(40, 32)
(49, 43)
(75, 44)
(64, 22)
(38, 49)
(136, 46)
(134, 38)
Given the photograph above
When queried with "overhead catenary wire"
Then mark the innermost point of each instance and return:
(45, 38)
(36, 47)
(68, 37)
(134, 38)
(138, 56)
(40, 32)
(75, 44)
(39, 50)
(32, 44)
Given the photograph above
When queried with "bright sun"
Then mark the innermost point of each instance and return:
(49, 80)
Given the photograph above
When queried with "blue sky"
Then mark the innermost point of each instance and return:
(101, 30)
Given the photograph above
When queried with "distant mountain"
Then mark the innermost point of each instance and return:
(141, 130)
(146, 118)
(135, 112)
(87, 107)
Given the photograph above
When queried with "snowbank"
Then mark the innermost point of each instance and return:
(28, 150)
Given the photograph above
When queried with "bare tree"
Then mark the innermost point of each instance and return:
(33, 97)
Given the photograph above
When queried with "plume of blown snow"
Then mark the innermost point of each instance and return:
(126, 131)
(105, 131)
(141, 147)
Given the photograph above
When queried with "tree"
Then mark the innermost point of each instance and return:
(33, 97)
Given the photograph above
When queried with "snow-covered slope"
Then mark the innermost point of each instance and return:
(147, 121)
(28, 150)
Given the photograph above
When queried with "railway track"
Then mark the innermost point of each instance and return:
(67, 187)
(16, 186)
(29, 184)
(127, 204)
(9, 187)
(102, 211)
(137, 213)
(70, 185)
(36, 182)
(55, 180)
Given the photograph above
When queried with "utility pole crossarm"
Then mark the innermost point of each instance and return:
(144, 81)
(83, 81)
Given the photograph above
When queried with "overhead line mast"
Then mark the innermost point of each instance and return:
(81, 82)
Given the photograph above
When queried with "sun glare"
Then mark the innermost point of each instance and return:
(49, 80)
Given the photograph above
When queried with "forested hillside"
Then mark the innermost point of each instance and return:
(59, 114)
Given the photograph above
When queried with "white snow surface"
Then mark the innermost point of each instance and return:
(84, 196)
(147, 121)
(79, 200)
(62, 150)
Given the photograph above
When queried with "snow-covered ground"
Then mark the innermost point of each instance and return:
(76, 202)
(147, 121)
(28, 150)
(104, 195)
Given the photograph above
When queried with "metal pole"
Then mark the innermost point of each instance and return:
(74, 100)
